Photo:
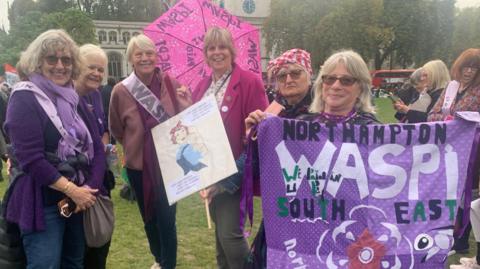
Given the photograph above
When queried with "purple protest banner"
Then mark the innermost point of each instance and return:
(378, 196)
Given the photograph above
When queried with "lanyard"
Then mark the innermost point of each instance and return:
(223, 83)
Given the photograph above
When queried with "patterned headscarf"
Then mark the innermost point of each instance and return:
(293, 56)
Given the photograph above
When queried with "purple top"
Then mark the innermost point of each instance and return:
(95, 105)
(26, 203)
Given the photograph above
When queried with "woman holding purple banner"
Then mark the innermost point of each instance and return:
(237, 92)
(341, 95)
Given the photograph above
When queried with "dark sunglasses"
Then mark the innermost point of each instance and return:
(345, 80)
(53, 60)
(294, 74)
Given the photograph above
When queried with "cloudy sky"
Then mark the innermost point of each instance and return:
(4, 9)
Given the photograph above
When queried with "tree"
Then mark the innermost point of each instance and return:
(20, 8)
(75, 22)
(293, 26)
(401, 33)
(466, 34)
(33, 23)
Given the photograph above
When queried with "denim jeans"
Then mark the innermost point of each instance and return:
(60, 245)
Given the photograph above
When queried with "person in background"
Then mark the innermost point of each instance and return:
(466, 96)
(106, 92)
(4, 95)
(60, 156)
(413, 95)
(463, 94)
(92, 69)
(130, 124)
(435, 76)
(237, 92)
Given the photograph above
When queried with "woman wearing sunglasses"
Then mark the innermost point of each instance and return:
(57, 146)
(463, 94)
(341, 95)
(434, 77)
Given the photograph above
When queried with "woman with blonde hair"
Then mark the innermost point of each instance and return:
(237, 92)
(58, 148)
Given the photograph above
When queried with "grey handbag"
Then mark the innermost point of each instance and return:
(98, 222)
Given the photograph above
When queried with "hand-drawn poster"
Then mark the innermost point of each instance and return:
(193, 150)
(379, 196)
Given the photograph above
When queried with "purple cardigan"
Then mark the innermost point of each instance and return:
(245, 93)
(25, 125)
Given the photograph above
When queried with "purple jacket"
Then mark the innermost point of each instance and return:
(26, 125)
(245, 93)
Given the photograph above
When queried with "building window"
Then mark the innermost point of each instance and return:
(125, 37)
(135, 33)
(115, 65)
(102, 36)
(112, 36)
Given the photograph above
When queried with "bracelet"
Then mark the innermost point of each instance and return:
(67, 187)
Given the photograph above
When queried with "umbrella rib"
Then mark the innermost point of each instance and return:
(177, 38)
(186, 71)
(203, 17)
(246, 33)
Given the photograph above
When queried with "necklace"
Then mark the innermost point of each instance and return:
(338, 118)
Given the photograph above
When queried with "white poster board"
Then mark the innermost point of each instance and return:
(193, 150)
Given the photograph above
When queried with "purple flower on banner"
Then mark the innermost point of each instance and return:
(366, 252)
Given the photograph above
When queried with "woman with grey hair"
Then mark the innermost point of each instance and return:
(130, 121)
(418, 100)
(57, 147)
(434, 77)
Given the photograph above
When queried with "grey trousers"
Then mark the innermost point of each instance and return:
(232, 247)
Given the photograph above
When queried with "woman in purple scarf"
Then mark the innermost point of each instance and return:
(57, 147)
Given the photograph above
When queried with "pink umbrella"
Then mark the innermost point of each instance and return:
(178, 35)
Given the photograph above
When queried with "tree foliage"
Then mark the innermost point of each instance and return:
(30, 25)
(400, 33)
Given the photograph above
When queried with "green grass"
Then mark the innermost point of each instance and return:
(196, 244)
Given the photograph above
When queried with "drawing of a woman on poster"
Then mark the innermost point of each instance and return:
(191, 150)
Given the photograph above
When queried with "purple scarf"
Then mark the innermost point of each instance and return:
(66, 101)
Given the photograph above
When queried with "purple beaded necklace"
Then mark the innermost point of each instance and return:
(327, 117)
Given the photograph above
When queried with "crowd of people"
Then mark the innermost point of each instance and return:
(72, 122)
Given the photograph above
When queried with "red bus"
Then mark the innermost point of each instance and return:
(390, 79)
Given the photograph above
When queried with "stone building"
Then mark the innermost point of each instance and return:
(113, 36)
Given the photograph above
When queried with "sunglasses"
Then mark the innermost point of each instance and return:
(53, 60)
(294, 74)
(470, 68)
(345, 80)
